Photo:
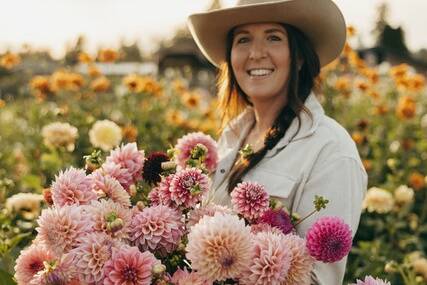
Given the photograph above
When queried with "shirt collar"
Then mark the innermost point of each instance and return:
(239, 127)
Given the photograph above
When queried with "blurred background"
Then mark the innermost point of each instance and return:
(76, 76)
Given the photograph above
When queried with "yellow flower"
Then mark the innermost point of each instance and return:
(380, 109)
(378, 200)
(399, 70)
(108, 55)
(76, 81)
(100, 84)
(179, 86)
(403, 195)
(416, 83)
(406, 107)
(60, 135)
(356, 61)
(174, 117)
(362, 85)
(358, 137)
(25, 204)
(150, 85)
(40, 83)
(416, 181)
(84, 57)
(371, 74)
(2, 103)
(93, 70)
(367, 164)
(65, 80)
(343, 84)
(105, 134)
(191, 99)
(10, 60)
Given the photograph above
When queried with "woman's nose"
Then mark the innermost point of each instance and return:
(257, 51)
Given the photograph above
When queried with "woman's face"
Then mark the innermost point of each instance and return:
(260, 59)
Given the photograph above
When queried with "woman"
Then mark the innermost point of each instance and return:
(269, 54)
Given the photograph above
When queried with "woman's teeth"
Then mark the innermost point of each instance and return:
(260, 72)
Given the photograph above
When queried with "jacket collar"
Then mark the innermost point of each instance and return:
(242, 123)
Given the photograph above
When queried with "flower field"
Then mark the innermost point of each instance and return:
(66, 120)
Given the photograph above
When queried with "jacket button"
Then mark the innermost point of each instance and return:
(222, 170)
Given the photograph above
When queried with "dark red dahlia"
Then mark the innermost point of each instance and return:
(153, 167)
(278, 219)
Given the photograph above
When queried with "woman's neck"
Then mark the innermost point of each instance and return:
(266, 111)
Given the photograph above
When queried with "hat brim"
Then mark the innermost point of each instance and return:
(320, 20)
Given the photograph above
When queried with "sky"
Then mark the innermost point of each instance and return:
(53, 24)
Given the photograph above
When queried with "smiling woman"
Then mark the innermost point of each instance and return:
(269, 54)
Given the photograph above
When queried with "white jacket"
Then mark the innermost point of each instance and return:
(322, 159)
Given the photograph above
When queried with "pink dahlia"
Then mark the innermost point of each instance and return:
(270, 262)
(60, 228)
(208, 210)
(219, 247)
(250, 200)
(118, 172)
(301, 263)
(91, 255)
(329, 239)
(277, 218)
(72, 186)
(129, 266)
(129, 157)
(30, 261)
(153, 167)
(163, 195)
(258, 228)
(109, 187)
(59, 271)
(369, 280)
(157, 228)
(187, 143)
(183, 277)
(188, 187)
(154, 197)
(110, 218)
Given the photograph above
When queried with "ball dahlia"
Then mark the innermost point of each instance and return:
(129, 157)
(187, 143)
(157, 228)
(329, 239)
(219, 247)
(250, 200)
(72, 186)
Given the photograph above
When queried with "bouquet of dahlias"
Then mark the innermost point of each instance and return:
(131, 219)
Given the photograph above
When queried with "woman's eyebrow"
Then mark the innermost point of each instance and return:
(274, 30)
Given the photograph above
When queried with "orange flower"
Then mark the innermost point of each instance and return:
(343, 84)
(416, 83)
(40, 83)
(100, 84)
(10, 60)
(347, 49)
(76, 81)
(351, 31)
(108, 55)
(130, 133)
(399, 70)
(358, 137)
(59, 80)
(191, 99)
(380, 109)
(150, 85)
(406, 107)
(93, 70)
(371, 74)
(84, 57)
(133, 82)
(367, 164)
(174, 117)
(2, 103)
(179, 86)
(416, 181)
(374, 94)
(356, 61)
(362, 85)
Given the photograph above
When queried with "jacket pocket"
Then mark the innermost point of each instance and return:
(277, 185)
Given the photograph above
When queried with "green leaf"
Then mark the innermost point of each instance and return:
(6, 278)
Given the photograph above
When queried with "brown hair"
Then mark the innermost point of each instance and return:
(232, 99)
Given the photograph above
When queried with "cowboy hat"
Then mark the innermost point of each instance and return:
(320, 20)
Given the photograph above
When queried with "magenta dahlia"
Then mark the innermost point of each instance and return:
(30, 261)
(157, 228)
(369, 280)
(153, 167)
(250, 200)
(60, 228)
(130, 158)
(277, 218)
(329, 239)
(129, 266)
(72, 186)
(188, 187)
(109, 187)
(187, 143)
(270, 262)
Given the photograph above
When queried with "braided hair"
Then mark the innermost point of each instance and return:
(232, 99)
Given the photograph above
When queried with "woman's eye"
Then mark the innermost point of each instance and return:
(242, 40)
(274, 38)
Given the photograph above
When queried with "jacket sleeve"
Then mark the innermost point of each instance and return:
(343, 181)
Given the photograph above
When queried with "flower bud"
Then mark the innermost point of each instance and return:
(140, 205)
(391, 267)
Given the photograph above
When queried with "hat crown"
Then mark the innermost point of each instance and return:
(252, 2)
